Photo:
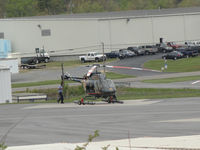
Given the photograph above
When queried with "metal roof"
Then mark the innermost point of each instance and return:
(117, 14)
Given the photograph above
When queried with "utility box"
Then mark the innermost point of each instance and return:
(11, 63)
(5, 85)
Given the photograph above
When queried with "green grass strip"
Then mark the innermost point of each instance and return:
(180, 65)
(112, 75)
(29, 84)
(152, 93)
(171, 80)
(73, 63)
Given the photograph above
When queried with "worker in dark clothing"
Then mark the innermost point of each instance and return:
(60, 94)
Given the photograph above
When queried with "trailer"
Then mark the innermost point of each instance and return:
(32, 66)
(33, 62)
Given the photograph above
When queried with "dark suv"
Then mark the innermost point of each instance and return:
(136, 50)
(165, 48)
(112, 54)
(124, 53)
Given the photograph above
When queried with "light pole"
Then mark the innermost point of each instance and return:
(103, 57)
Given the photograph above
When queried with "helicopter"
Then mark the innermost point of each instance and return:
(97, 85)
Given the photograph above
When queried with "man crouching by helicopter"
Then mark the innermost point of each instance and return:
(60, 93)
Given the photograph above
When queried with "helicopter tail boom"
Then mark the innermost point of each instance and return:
(76, 79)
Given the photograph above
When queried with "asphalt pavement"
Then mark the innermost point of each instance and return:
(30, 124)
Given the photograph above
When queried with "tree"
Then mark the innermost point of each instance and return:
(109, 5)
(85, 6)
(52, 7)
(3, 8)
(21, 8)
(189, 3)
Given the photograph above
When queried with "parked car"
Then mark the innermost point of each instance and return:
(174, 45)
(131, 53)
(188, 51)
(149, 49)
(196, 47)
(173, 55)
(112, 54)
(124, 53)
(92, 56)
(164, 48)
(137, 50)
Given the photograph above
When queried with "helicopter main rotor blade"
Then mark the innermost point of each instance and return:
(133, 68)
(196, 82)
(91, 70)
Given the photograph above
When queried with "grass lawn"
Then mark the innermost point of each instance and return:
(72, 63)
(170, 80)
(152, 93)
(29, 84)
(180, 65)
(112, 75)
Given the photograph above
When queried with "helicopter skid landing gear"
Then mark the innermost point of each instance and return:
(82, 102)
(113, 99)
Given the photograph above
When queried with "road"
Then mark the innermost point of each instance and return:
(54, 123)
(54, 74)
(136, 62)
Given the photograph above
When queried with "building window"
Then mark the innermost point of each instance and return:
(46, 32)
(1, 35)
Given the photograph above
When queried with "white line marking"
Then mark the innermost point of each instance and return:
(182, 120)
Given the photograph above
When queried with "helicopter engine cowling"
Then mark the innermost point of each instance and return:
(108, 86)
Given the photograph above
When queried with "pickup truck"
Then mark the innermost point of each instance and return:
(92, 56)
(149, 49)
(188, 51)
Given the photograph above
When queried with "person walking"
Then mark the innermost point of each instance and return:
(60, 93)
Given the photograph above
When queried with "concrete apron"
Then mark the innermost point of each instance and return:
(172, 143)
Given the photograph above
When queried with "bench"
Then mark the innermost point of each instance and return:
(31, 97)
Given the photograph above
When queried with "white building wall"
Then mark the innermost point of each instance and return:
(132, 31)
(171, 28)
(148, 30)
(25, 35)
(192, 25)
(5, 85)
(122, 32)
(87, 34)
